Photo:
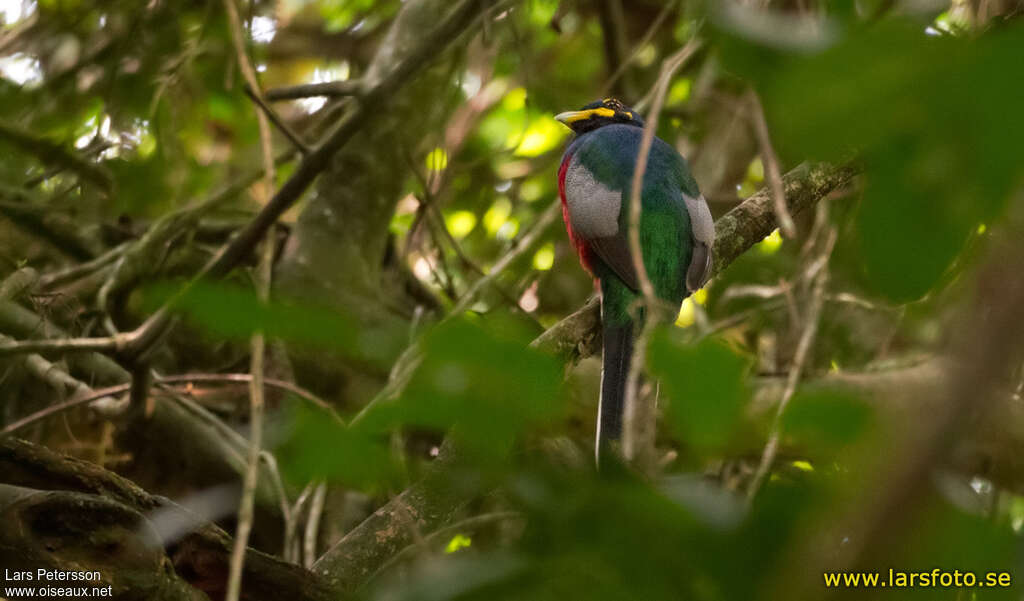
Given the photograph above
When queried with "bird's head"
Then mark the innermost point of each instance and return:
(598, 114)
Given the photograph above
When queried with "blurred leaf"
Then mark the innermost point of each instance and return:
(824, 420)
(938, 159)
(945, 537)
(317, 447)
(233, 312)
(141, 184)
(456, 576)
(488, 384)
(705, 384)
(908, 236)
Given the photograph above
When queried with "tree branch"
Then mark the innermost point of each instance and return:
(429, 504)
(250, 477)
(312, 164)
(138, 342)
(578, 336)
(638, 429)
(278, 122)
(37, 216)
(110, 528)
(771, 166)
(57, 155)
(807, 336)
(332, 89)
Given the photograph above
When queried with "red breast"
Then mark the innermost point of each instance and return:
(580, 244)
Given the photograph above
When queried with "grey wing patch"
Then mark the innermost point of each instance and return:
(614, 251)
(594, 216)
(700, 267)
(593, 208)
(702, 227)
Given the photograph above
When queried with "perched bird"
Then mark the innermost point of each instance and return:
(676, 233)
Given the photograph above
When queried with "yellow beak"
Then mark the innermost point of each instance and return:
(570, 117)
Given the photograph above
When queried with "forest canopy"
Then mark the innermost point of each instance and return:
(287, 310)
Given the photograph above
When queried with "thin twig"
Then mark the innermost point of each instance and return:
(435, 219)
(278, 484)
(458, 20)
(34, 212)
(276, 119)
(256, 390)
(332, 89)
(410, 358)
(521, 247)
(639, 46)
(735, 232)
(247, 378)
(57, 377)
(107, 344)
(316, 510)
(610, 17)
(290, 548)
(110, 391)
(469, 525)
(669, 67)
(771, 166)
(78, 270)
(95, 147)
(51, 153)
(638, 428)
(138, 392)
(96, 394)
(796, 369)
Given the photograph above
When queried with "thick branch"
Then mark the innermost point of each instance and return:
(427, 48)
(57, 155)
(212, 453)
(104, 522)
(577, 335)
(423, 507)
(612, 21)
(60, 231)
(350, 87)
(431, 502)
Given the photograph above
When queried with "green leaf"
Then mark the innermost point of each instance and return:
(908, 240)
(317, 447)
(705, 385)
(488, 383)
(938, 161)
(230, 311)
(825, 419)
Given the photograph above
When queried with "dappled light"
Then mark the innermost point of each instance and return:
(511, 299)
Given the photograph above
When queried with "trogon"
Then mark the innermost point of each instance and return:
(676, 233)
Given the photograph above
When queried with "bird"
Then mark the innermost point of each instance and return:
(676, 230)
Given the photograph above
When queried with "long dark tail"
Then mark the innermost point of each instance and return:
(618, 352)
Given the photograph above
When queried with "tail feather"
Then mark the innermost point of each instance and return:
(618, 353)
